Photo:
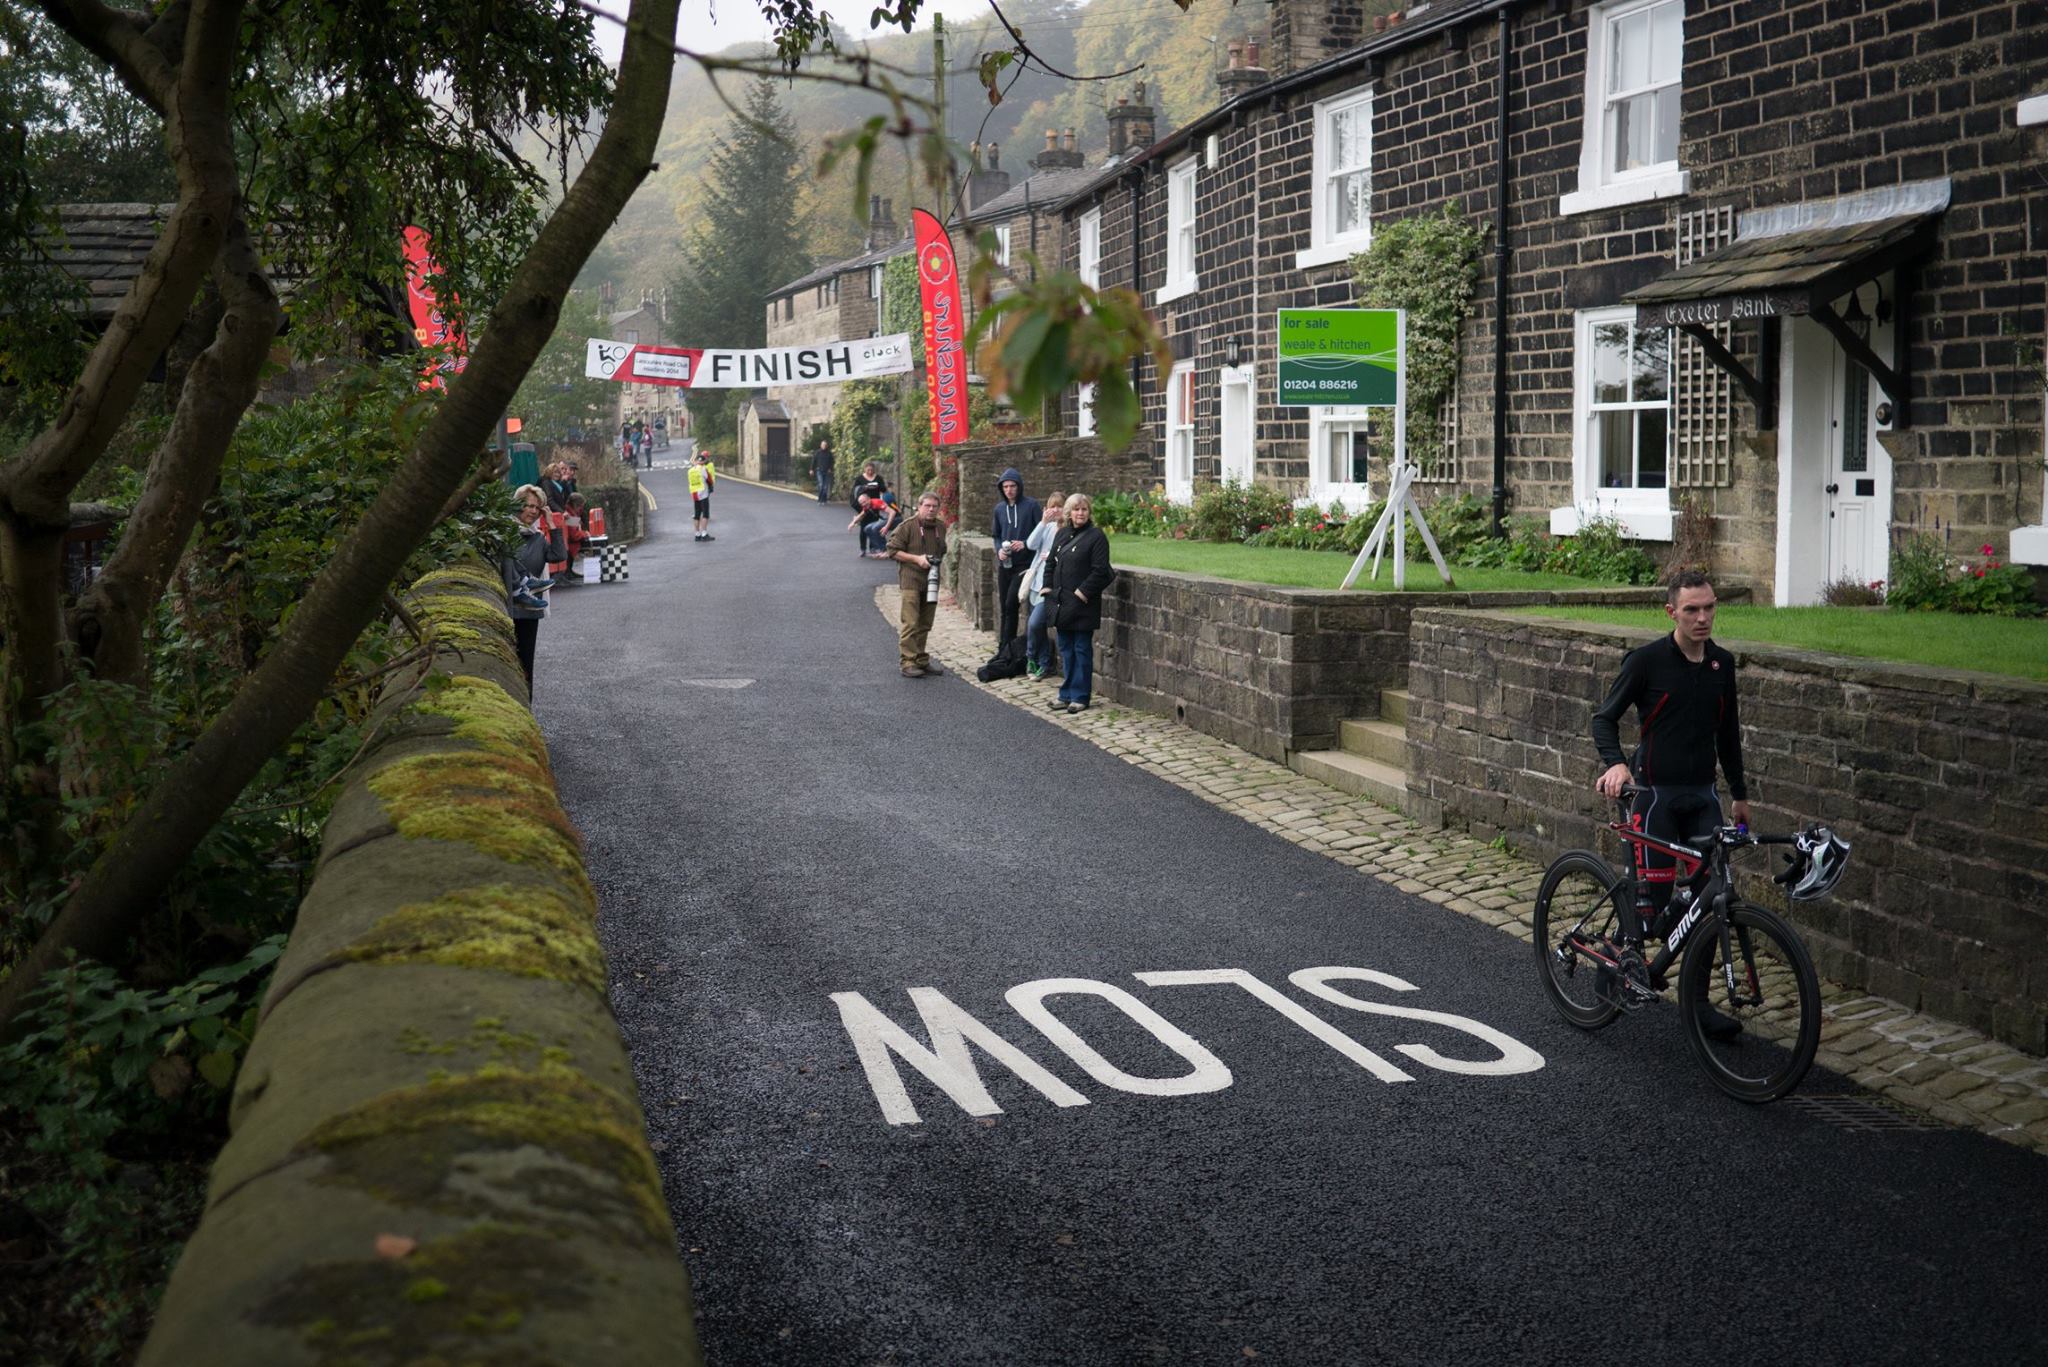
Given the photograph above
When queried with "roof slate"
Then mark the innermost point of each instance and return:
(1787, 261)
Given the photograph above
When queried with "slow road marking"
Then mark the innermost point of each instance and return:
(943, 1058)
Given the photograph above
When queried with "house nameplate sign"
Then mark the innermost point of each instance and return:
(1727, 308)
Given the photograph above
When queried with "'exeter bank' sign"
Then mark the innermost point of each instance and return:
(1729, 308)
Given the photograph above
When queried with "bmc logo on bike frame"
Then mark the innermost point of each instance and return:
(947, 1064)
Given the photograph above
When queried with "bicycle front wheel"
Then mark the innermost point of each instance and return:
(1578, 910)
(1750, 1001)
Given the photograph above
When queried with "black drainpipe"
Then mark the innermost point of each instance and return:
(1500, 284)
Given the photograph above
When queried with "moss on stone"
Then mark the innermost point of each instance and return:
(470, 574)
(531, 931)
(500, 804)
(432, 1306)
(404, 1147)
(486, 715)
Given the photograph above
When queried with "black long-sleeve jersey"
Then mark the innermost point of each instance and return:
(1687, 714)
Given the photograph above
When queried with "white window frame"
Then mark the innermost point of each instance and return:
(1600, 188)
(1002, 232)
(1325, 244)
(1323, 419)
(1180, 432)
(1644, 514)
(1084, 410)
(1181, 278)
(1089, 250)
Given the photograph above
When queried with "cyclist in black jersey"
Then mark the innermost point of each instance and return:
(1683, 689)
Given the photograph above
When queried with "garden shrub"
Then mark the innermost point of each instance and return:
(1233, 511)
(1926, 577)
(1853, 593)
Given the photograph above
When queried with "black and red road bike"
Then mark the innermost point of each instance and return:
(1747, 994)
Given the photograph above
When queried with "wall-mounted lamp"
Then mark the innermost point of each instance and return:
(1233, 352)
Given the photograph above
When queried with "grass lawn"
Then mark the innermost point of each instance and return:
(1316, 569)
(1996, 645)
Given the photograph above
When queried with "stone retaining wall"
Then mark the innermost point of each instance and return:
(1267, 668)
(436, 1151)
(1070, 464)
(1939, 778)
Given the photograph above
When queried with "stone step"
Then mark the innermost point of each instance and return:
(1383, 783)
(1394, 706)
(1381, 740)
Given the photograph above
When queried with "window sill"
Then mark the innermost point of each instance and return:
(2034, 110)
(1176, 289)
(2029, 546)
(1642, 190)
(1328, 254)
(1645, 520)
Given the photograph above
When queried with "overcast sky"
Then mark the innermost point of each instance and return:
(710, 25)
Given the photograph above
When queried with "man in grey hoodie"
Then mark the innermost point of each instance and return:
(1014, 519)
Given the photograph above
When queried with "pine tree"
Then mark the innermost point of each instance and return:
(748, 239)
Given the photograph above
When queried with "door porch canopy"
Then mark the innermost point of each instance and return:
(1797, 259)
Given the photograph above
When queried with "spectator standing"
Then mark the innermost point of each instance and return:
(660, 432)
(1015, 517)
(1037, 606)
(574, 533)
(1079, 572)
(703, 479)
(821, 469)
(527, 566)
(556, 487)
(866, 500)
(626, 442)
(916, 546)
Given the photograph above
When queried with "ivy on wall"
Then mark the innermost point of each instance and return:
(1429, 267)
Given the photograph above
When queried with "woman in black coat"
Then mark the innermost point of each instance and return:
(1078, 573)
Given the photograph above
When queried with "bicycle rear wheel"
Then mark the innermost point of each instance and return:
(1578, 908)
(1774, 998)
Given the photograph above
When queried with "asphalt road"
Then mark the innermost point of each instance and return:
(776, 816)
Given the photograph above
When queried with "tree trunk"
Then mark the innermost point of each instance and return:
(281, 694)
(111, 621)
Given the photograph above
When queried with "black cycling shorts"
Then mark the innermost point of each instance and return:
(1680, 812)
(701, 503)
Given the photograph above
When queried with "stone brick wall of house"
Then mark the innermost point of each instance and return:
(1886, 93)
(1070, 464)
(815, 320)
(1939, 779)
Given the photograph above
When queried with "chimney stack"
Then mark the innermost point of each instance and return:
(1130, 123)
(1056, 155)
(1244, 72)
(882, 229)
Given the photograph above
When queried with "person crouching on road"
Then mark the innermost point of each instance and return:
(1080, 571)
(1014, 518)
(1037, 607)
(916, 547)
(525, 572)
(866, 499)
(703, 479)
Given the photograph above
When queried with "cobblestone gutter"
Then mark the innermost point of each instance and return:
(1947, 1071)
(437, 1155)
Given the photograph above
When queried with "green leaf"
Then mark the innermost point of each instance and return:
(218, 1068)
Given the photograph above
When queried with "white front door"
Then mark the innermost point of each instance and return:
(1858, 494)
(1237, 425)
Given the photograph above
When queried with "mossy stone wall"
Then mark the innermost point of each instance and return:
(437, 1154)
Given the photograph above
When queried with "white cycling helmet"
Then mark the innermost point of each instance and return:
(1822, 857)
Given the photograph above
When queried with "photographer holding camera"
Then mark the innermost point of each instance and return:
(916, 546)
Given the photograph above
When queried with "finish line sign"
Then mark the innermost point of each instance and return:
(699, 368)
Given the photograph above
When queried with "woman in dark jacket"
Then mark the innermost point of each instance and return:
(538, 546)
(1074, 580)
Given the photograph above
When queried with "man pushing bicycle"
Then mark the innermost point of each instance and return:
(1683, 689)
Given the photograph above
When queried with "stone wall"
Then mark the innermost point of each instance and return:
(1939, 779)
(1267, 668)
(1070, 464)
(435, 1138)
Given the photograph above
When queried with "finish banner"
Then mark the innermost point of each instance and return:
(945, 330)
(430, 327)
(702, 368)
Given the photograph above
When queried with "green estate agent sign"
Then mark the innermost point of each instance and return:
(1341, 356)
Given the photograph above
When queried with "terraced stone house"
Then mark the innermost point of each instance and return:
(1778, 265)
